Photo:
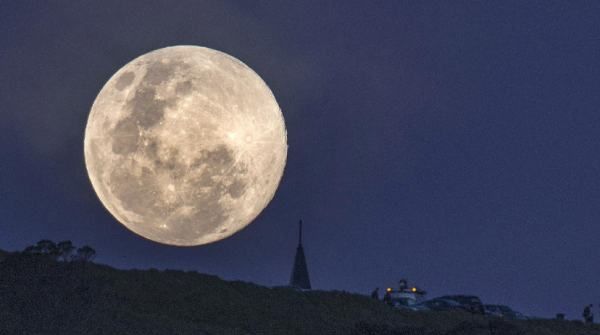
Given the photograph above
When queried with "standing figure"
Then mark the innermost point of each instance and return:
(402, 285)
(387, 297)
(588, 315)
(375, 293)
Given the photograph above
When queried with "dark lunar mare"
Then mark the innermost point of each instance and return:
(124, 80)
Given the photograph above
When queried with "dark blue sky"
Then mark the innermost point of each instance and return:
(452, 143)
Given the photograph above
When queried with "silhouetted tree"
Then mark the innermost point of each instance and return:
(65, 250)
(43, 247)
(85, 254)
(31, 250)
(46, 247)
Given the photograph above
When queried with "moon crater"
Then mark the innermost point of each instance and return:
(185, 145)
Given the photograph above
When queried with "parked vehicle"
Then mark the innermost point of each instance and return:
(470, 303)
(439, 304)
(503, 311)
(405, 296)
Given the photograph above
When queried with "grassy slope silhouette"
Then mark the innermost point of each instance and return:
(42, 296)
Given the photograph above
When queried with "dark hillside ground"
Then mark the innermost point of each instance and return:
(41, 296)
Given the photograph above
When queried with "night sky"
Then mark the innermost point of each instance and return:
(452, 143)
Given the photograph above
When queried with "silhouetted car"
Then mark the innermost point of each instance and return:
(470, 303)
(438, 304)
(503, 311)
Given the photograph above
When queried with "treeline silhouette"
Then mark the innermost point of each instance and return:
(63, 251)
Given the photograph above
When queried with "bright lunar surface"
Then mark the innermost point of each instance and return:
(185, 145)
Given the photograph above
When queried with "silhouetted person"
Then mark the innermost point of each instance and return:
(588, 316)
(387, 297)
(375, 293)
(402, 284)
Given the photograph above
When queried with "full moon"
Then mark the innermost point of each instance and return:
(185, 145)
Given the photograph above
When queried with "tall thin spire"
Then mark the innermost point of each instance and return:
(300, 278)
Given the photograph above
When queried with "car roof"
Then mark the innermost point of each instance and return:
(461, 297)
(448, 301)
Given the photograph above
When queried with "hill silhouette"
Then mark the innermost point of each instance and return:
(39, 295)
